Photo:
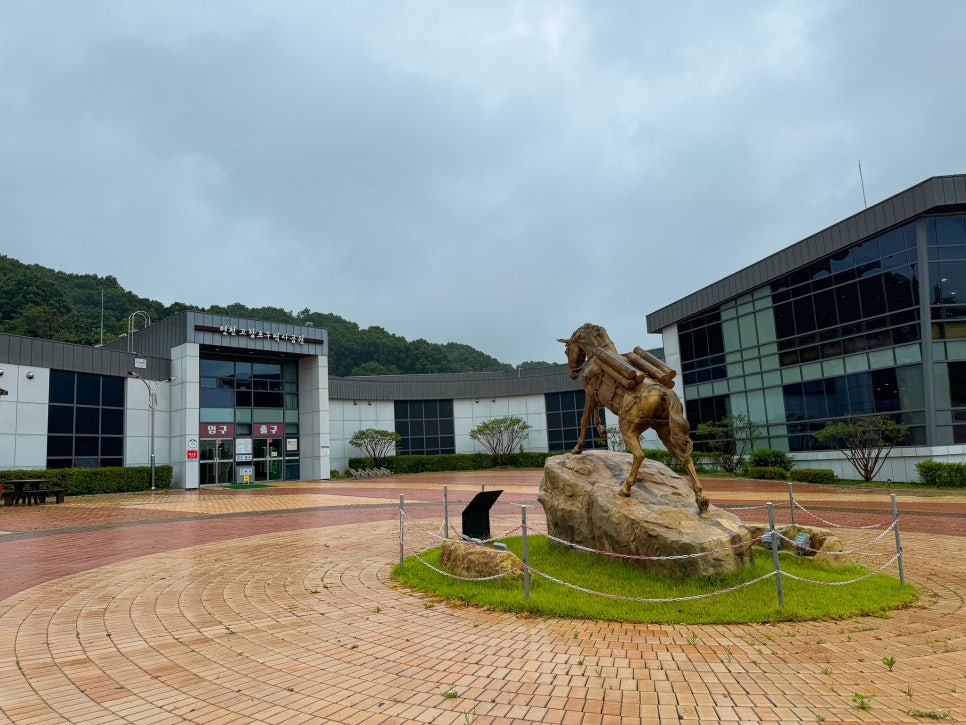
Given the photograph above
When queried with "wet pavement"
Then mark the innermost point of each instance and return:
(276, 605)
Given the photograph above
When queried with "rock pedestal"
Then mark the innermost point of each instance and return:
(579, 494)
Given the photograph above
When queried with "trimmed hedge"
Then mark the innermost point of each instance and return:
(942, 475)
(813, 475)
(770, 458)
(87, 481)
(768, 473)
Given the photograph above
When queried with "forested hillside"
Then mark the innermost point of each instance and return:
(36, 301)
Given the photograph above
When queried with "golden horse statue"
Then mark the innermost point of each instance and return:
(636, 387)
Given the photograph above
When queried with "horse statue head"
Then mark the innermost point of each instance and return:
(581, 345)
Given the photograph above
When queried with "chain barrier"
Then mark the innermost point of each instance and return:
(850, 581)
(527, 569)
(639, 557)
(841, 526)
(646, 600)
(859, 551)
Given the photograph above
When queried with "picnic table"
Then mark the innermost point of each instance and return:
(30, 491)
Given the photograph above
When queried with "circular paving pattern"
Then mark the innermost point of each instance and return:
(305, 626)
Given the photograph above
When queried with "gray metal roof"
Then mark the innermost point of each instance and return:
(535, 381)
(17, 350)
(934, 195)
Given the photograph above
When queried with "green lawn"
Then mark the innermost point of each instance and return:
(758, 602)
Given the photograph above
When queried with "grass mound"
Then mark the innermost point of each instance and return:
(874, 595)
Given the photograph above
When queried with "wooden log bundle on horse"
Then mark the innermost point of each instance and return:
(652, 365)
(639, 405)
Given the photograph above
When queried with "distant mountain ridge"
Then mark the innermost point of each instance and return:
(37, 301)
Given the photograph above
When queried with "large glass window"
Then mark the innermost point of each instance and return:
(846, 299)
(85, 420)
(946, 241)
(425, 426)
(564, 411)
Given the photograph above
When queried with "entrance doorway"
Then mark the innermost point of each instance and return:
(217, 458)
(267, 459)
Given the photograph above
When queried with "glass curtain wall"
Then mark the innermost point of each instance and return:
(85, 420)
(838, 337)
(425, 427)
(564, 411)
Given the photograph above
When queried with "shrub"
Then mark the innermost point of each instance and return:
(944, 475)
(814, 475)
(768, 473)
(530, 459)
(87, 481)
(771, 458)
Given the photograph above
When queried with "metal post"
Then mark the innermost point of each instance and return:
(445, 513)
(774, 555)
(482, 487)
(791, 503)
(402, 527)
(526, 556)
(895, 520)
(152, 403)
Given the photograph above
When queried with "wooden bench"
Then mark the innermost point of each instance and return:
(31, 491)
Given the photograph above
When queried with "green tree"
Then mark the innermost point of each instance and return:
(866, 442)
(376, 444)
(733, 437)
(501, 436)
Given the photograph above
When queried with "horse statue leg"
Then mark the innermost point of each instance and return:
(631, 433)
(664, 433)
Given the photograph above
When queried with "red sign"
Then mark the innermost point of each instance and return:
(217, 430)
(268, 430)
(192, 454)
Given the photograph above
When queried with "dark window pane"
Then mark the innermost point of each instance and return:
(61, 387)
(784, 320)
(60, 445)
(841, 261)
(950, 230)
(686, 341)
(60, 419)
(866, 252)
(267, 400)
(794, 402)
(898, 289)
(267, 370)
(715, 340)
(243, 369)
(847, 302)
(837, 396)
(814, 395)
(217, 398)
(112, 392)
(445, 409)
(112, 422)
(804, 315)
(872, 295)
(952, 282)
(243, 399)
(957, 384)
(112, 446)
(891, 243)
(886, 390)
(861, 397)
(825, 315)
(88, 389)
(87, 420)
(216, 368)
(86, 446)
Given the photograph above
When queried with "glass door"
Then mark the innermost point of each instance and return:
(217, 458)
(267, 459)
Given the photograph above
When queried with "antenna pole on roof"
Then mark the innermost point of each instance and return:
(865, 204)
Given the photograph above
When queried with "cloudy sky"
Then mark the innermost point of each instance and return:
(493, 173)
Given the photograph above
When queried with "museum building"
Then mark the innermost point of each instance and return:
(865, 317)
(861, 318)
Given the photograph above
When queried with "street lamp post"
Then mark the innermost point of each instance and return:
(152, 405)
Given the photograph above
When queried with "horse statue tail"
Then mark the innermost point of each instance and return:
(679, 427)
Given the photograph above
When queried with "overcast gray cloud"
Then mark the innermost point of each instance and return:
(490, 173)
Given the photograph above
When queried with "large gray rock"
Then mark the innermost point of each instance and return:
(579, 494)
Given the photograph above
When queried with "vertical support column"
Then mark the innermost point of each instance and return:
(445, 512)
(774, 555)
(402, 527)
(791, 503)
(895, 521)
(526, 555)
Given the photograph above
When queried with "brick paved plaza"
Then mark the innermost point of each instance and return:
(276, 605)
